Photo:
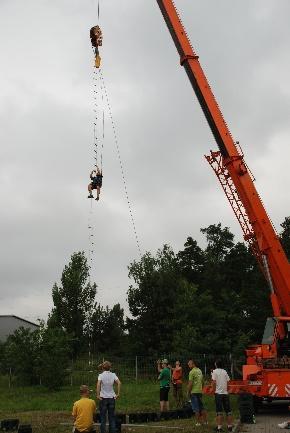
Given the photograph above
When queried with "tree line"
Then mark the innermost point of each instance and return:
(197, 300)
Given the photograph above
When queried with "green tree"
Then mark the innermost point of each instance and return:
(3, 362)
(54, 357)
(22, 355)
(108, 330)
(230, 301)
(219, 242)
(152, 299)
(191, 261)
(249, 292)
(285, 236)
(74, 301)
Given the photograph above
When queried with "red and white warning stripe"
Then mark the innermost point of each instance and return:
(287, 390)
(272, 389)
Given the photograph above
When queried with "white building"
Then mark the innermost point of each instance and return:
(9, 324)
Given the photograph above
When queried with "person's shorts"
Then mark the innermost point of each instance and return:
(196, 403)
(94, 185)
(164, 393)
(222, 404)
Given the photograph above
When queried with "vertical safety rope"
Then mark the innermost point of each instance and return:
(95, 110)
(103, 119)
(99, 119)
(90, 240)
(120, 162)
(103, 137)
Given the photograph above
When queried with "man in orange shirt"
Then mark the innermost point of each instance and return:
(83, 412)
(177, 384)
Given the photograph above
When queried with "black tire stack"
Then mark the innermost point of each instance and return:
(246, 408)
(24, 428)
(144, 417)
(9, 424)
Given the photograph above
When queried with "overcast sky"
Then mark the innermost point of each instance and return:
(46, 132)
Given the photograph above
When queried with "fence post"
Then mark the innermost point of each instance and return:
(204, 365)
(10, 377)
(71, 375)
(232, 366)
(136, 368)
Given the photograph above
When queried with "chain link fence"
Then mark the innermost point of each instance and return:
(137, 368)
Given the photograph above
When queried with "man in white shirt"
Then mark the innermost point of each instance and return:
(107, 396)
(220, 380)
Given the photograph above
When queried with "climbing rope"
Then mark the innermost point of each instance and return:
(99, 120)
(91, 241)
(116, 141)
(95, 110)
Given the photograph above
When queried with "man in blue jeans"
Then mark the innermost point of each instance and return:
(194, 390)
(107, 396)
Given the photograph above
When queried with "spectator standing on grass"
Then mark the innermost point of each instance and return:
(107, 396)
(220, 381)
(194, 390)
(164, 380)
(177, 384)
(83, 412)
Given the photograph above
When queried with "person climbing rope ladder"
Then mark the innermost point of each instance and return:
(97, 181)
(97, 41)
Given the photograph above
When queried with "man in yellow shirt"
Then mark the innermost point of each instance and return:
(83, 412)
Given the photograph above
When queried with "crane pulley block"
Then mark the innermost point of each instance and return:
(96, 36)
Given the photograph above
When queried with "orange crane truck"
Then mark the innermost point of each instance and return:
(266, 373)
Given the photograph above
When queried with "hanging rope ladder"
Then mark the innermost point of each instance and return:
(100, 102)
(99, 120)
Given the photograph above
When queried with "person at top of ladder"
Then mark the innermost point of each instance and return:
(96, 177)
(97, 41)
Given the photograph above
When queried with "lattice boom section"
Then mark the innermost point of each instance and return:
(216, 162)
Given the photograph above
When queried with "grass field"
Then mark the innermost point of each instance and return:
(46, 410)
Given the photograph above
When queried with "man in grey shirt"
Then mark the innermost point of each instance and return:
(107, 396)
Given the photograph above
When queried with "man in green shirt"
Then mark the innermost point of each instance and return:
(164, 379)
(194, 389)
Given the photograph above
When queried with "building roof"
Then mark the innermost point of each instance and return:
(19, 318)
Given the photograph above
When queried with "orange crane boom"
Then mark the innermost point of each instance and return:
(229, 161)
(267, 372)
